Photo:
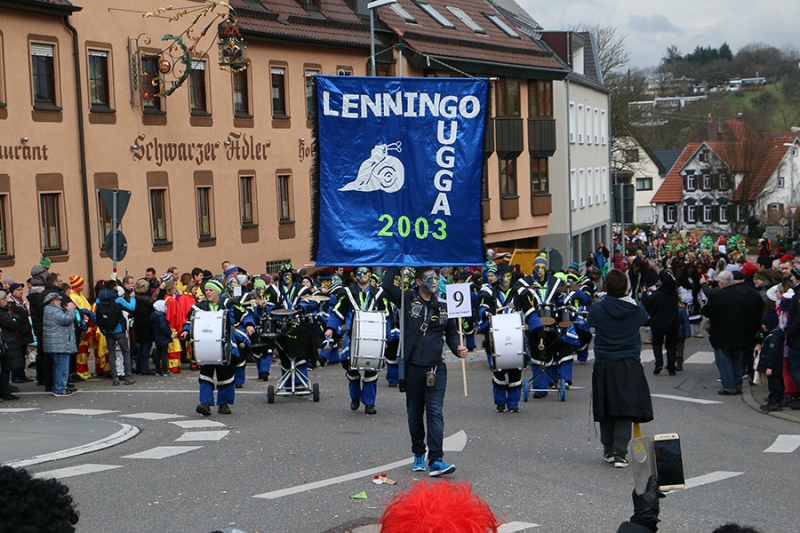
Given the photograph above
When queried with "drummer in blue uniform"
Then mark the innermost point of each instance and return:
(235, 314)
(361, 296)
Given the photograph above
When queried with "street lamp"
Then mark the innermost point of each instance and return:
(372, 6)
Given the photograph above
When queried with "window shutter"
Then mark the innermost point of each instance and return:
(714, 182)
(44, 50)
(685, 183)
(664, 210)
(685, 214)
(715, 213)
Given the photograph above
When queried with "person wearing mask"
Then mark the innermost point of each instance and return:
(426, 330)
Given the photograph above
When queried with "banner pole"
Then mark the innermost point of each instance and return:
(463, 364)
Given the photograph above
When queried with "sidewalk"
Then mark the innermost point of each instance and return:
(753, 396)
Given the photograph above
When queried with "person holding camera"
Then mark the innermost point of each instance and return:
(426, 330)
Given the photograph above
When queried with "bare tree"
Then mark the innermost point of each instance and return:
(610, 47)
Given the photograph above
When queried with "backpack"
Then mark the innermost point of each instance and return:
(107, 315)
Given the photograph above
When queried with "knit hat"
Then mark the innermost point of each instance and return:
(10, 281)
(772, 294)
(759, 275)
(45, 262)
(167, 276)
(787, 258)
(739, 276)
(770, 320)
(492, 270)
(15, 286)
(503, 268)
(796, 272)
(207, 275)
(748, 269)
(215, 285)
(541, 259)
(231, 269)
(573, 266)
(75, 282)
(38, 276)
(259, 282)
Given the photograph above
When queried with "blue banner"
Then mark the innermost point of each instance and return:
(400, 164)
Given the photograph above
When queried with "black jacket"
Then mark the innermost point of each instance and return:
(662, 306)
(772, 351)
(416, 309)
(735, 316)
(142, 327)
(25, 329)
(793, 321)
(36, 306)
(160, 331)
(13, 358)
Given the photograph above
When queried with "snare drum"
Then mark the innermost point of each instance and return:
(368, 341)
(547, 314)
(565, 316)
(507, 341)
(210, 343)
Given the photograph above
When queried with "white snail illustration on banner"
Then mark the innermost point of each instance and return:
(381, 172)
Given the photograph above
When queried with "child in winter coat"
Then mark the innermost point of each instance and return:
(771, 362)
(684, 332)
(162, 337)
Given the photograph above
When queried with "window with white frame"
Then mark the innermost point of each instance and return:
(580, 123)
(597, 185)
(605, 184)
(707, 214)
(723, 183)
(572, 122)
(690, 214)
(582, 187)
(573, 185)
(723, 214)
(589, 125)
(596, 126)
(669, 216)
(603, 127)
(589, 187)
(690, 183)
(706, 182)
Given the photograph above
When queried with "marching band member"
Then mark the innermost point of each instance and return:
(236, 315)
(257, 306)
(546, 364)
(284, 293)
(364, 297)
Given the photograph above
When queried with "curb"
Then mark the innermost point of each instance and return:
(127, 432)
(749, 399)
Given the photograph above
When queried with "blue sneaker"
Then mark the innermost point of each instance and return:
(419, 463)
(439, 468)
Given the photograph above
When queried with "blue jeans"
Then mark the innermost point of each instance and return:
(422, 400)
(729, 362)
(60, 372)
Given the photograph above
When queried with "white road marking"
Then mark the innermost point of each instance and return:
(202, 436)
(647, 356)
(511, 527)
(152, 416)
(784, 444)
(127, 432)
(705, 479)
(453, 443)
(162, 452)
(75, 471)
(18, 409)
(194, 424)
(703, 358)
(684, 399)
(82, 412)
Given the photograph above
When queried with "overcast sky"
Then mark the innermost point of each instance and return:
(650, 26)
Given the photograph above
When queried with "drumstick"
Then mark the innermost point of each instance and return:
(463, 364)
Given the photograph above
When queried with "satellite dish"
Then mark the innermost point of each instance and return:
(554, 259)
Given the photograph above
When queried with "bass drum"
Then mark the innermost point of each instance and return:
(368, 341)
(507, 341)
(210, 339)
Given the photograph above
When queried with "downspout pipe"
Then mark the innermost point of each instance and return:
(82, 152)
(569, 180)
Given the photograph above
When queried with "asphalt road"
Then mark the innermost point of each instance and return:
(541, 470)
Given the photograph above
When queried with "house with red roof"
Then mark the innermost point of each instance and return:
(726, 175)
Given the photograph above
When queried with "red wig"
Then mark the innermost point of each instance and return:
(438, 507)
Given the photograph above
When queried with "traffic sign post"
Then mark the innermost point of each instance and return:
(459, 305)
(116, 202)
